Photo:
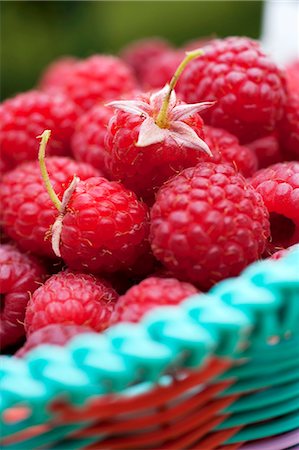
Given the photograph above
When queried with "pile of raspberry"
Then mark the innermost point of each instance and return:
(149, 194)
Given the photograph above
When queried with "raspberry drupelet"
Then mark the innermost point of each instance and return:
(71, 299)
(27, 115)
(96, 80)
(27, 212)
(249, 88)
(279, 187)
(88, 141)
(208, 223)
(149, 294)
(20, 275)
(154, 137)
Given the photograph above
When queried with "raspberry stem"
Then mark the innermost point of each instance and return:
(45, 136)
(161, 120)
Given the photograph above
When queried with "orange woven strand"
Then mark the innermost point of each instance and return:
(213, 440)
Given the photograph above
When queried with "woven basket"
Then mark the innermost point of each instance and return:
(220, 371)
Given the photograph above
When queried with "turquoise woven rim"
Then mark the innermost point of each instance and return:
(252, 318)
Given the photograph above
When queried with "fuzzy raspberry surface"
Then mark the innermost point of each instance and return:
(71, 299)
(289, 128)
(88, 141)
(208, 223)
(27, 212)
(96, 80)
(279, 187)
(140, 54)
(145, 169)
(292, 72)
(56, 72)
(249, 88)
(20, 275)
(267, 150)
(160, 70)
(26, 116)
(149, 294)
(225, 148)
(105, 229)
(55, 334)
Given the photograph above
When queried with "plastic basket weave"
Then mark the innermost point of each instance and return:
(220, 371)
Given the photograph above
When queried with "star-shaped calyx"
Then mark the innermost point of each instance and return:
(164, 116)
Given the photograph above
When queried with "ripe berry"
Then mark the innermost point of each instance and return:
(266, 150)
(279, 187)
(292, 72)
(289, 128)
(20, 275)
(55, 334)
(149, 294)
(248, 87)
(89, 136)
(159, 70)
(96, 79)
(56, 72)
(27, 212)
(105, 227)
(208, 223)
(225, 148)
(71, 299)
(24, 117)
(140, 54)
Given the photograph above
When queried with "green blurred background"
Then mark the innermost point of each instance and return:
(33, 33)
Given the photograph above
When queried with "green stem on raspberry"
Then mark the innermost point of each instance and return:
(161, 120)
(41, 158)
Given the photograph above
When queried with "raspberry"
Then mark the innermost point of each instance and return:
(208, 223)
(279, 187)
(89, 136)
(27, 211)
(26, 116)
(145, 168)
(105, 228)
(150, 293)
(56, 72)
(20, 275)
(292, 72)
(95, 80)
(159, 70)
(71, 299)
(225, 148)
(289, 128)
(55, 334)
(249, 89)
(266, 150)
(139, 54)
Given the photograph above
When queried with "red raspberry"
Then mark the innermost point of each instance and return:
(89, 137)
(71, 299)
(20, 275)
(266, 150)
(149, 294)
(225, 148)
(279, 187)
(27, 211)
(56, 72)
(292, 72)
(289, 128)
(140, 53)
(97, 79)
(105, 228)
(247, 85)
(208, 223)
(159, 70)
(26, 116)
(144, 169)
(55, 334)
